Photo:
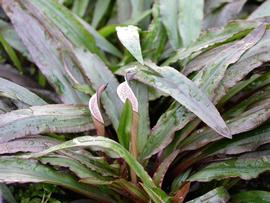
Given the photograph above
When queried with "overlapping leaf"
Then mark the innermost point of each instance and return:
(44, 119)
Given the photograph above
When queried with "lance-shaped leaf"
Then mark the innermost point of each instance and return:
(126, 94)
(8, 32)
(246, 167)
(69, 24)
(232, 31)
(141, 92)
(44, 41)
(129, 37)
(80, 7)
(108, 146)
(169, 17)
(190, 15)
(29, 144)
(80, 170)
(13, 170)
(57, 118)
(242, 123)
(19, 93)
(219, 194)
(94, 106)
(125, 125)
(208, 79)
(183, 91)
(101, 7)
(222, 15)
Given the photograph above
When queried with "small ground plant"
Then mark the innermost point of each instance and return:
(134, 101)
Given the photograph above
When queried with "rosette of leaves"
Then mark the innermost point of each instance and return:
(136, 101)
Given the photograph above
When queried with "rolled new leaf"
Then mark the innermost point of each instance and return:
(94, 106)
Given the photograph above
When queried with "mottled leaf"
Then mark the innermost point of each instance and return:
(57, 118)
(13, 170)
(246, 167)
(19, 93)
(242, 123)
(107, 145)
(208, 79)
(29, 144)
(232, 31)
(76, 167)
(43, 41)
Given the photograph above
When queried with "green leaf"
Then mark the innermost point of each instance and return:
(101, 41)
(11, 53)
(179, 181)
(80, 7)
(9, 34)
(58, 118)
(262, 11)
(169, 17)
(19, 93)
(13, 170)
(6, 193)
(155, 195)
(246, 167)
(107, 145)
(129, 37)
(190, 20)
(132, 189)
(216, 195)
(155, 39)
(254, 196)
(101, 7)
(125, 123)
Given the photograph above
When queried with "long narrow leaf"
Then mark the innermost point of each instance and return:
(107, 145)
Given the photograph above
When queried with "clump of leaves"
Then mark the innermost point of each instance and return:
(136, 101)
